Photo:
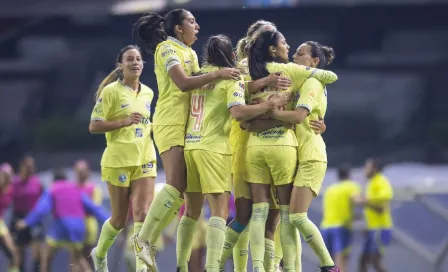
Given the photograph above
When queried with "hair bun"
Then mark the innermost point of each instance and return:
(329, 54)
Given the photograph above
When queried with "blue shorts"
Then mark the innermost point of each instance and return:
(338, 240)
(376, 240)
(68, 230)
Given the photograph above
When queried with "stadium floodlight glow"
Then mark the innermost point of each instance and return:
(137, 6)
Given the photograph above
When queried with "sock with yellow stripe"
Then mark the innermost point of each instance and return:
(312, 236)
(184, 242)
(215, 242)
(107, 238)
(288, 236)
(241, 252)
(278, 247)
(269, 255)
(162, 209)
(299, 253)
(138, 262)
(256, 234)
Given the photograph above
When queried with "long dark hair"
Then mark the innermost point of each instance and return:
(325, 54)
(116, 73)
(153, 28)
(259, 53)
(242, 45)
(218, 51)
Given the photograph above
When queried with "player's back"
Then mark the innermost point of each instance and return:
(379, 192)
(338, 210)
(67, 200)
(173, 104)
(208, 125)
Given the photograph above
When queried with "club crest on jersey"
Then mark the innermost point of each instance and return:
(148, 106)
(122, 178)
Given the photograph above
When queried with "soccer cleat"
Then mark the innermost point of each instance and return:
(330, 269)
(99, 263)
(145, 251)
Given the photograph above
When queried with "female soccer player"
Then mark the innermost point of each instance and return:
(273, 154)
(7, 243)
(312, 158)
(207, 148)
(122, 112)
(27, 189)
(170, 38)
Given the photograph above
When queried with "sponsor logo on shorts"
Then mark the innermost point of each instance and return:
(122, 178)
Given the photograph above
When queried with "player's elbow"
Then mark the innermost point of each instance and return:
(93, 128)
(237, 113)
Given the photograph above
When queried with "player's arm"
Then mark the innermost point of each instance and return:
(304, 106)
(300, 73)
(258, 125)
(97, 211)
(274, 80)
(169, 58)
(42, 208)
(99, 122)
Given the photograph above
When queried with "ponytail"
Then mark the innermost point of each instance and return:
(325, 54)
(241, 50)
(112, 77)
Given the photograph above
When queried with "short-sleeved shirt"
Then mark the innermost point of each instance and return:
(380, 192)
(172, 106)
(312, 95)
(338, 209)
(208, 126)
(132, 145)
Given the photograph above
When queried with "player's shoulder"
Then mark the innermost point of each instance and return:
(164, 48)
(146, 89)
(314, 82)
(112, 88)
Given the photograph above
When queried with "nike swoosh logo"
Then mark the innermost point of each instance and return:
(124, 105)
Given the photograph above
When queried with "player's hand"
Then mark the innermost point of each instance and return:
(228, 73)
(132, 119)
(318, 126)
(278, 82)
(20, 225)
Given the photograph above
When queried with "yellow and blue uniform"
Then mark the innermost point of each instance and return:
(173, 105)
(379, 224)
(312, 154)
(130, 152)
(338, 216)
(207, 147)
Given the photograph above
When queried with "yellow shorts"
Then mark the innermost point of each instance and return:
(207, 172)
(91, 230)
(241, 189)
(166, 137)
(123, 176)
(271, 164)
(311, 175)
(3, 228)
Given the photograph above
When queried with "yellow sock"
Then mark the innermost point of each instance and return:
(288, 236)
(229, 243)
(215, 242)
(184, 243)
(312, 236)
(278, 247)
(269, 255)
(161, 210)
(299, 253)
(241, 252)
(256, 234)
(108, 236)
(138, 262)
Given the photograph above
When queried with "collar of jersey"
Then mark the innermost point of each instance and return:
(177, 41)
(129, 88)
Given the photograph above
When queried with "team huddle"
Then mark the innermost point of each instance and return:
(248, 122)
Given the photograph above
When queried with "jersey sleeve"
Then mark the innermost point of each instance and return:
(308, 94)
(235, 94)
(42, 208)
(103, 105)
(97, 211)
(300, 73)
(168, 57)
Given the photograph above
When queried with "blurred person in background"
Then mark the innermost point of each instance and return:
(268, 53)
(128, 165)
(27, 189)
(7, 243)
(82, 171)
(68, 205)
(377, 214)
(169, 39)
(338, 216)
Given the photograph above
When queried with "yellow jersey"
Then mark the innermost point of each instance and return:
(298, 75)
(132, 145)
(312, 96)
(379, 192)
(208, 126)
(338, 209)
(172, 105)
